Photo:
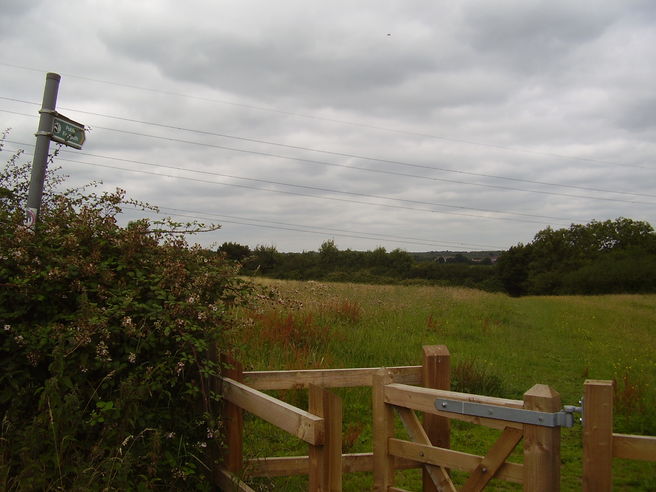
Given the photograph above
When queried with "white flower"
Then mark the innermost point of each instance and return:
(102, 351)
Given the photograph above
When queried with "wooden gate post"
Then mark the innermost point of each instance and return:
(325, 472)
(233, 419)
(383, 430)
(436, 374)
(597, 436)
(541, 444)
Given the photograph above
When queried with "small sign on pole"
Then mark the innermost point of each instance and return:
(67, 131)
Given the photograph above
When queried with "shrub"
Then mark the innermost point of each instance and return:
(104, 336)
(468, 376)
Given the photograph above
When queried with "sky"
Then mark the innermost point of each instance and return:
(415, 124)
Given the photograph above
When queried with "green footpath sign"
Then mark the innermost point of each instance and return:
(67, 131)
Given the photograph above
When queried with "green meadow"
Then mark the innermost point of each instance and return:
(499, 345)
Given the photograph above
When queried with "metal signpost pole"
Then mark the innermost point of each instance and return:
(40, 161)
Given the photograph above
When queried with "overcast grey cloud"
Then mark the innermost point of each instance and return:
(416, 124)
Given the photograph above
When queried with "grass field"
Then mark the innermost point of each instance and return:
(499, 346)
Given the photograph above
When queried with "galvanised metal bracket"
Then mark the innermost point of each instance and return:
(564, 418)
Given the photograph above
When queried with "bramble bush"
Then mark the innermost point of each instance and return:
(104, 336)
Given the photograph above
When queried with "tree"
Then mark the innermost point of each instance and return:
(513, 269)
(328, 254)
(264, 259)
(400, 262)
(566, 260)
(458, 258)
(235, 251)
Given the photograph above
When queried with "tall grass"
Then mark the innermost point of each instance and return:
(499, 345)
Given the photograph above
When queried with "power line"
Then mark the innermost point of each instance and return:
(334, 120)
(293, 227)
(362, 157)
(377, 235)
(343, 154)
(288, 226)
(314, 188)
(320, 231)
(379, 171)
(339, 154)
(364, 169)
(234, 185)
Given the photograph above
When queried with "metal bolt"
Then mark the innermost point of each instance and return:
(443, 404)
(484, 470)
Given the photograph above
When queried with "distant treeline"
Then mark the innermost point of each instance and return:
(377, 266)
(616, 256)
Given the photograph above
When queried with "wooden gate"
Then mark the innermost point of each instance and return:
(403, 391)
(394, 390)
(539, 472)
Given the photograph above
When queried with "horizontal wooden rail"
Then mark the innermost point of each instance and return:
(277, 466)
(327, 378)
(423, 400)
(297, 422)
(634, 447)
(283, 466)
(231, 483)
(457, 460)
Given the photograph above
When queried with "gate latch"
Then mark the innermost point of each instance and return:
(564, 418)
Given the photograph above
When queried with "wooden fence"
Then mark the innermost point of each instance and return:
(402, 391)
(601, 444)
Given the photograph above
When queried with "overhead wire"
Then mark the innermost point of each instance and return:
(198, 215)
(288, 226)
(299, 228)
(341, 154)
(377, 235)
(331, 164)
(306, 195)
(315, 188)
(333, 120)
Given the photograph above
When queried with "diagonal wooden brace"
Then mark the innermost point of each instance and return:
(496, 457)
(438, 474)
